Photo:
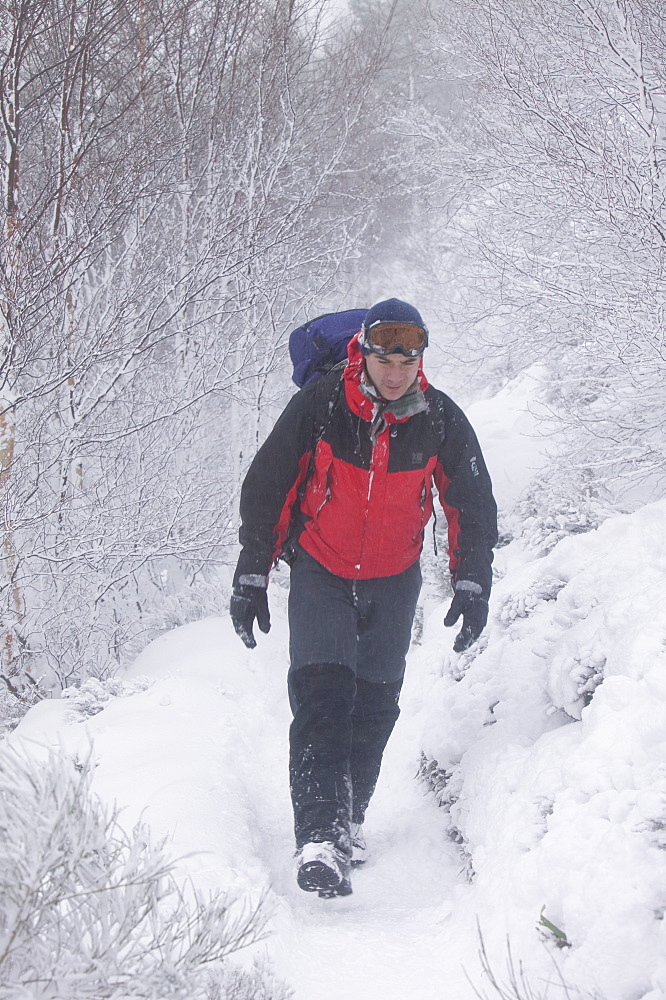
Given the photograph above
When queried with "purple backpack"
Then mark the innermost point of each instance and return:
(319, 345)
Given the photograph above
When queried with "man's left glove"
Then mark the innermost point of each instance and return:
(474, 610)
(247, 603)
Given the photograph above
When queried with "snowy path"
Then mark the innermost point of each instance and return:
(201, 755)
(392, 938)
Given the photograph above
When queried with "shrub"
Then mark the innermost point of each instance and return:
(88, 910)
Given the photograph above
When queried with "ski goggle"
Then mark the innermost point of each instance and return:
(395, 338)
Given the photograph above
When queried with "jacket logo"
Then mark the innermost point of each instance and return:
(473, 466)
(417, 457)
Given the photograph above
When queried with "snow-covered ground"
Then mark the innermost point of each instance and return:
(550, 746)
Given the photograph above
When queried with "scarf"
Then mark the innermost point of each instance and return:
(409, 404)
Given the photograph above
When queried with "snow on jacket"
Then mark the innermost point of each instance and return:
(364, 506)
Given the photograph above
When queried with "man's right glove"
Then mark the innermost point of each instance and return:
(248, 603)
(474, 610)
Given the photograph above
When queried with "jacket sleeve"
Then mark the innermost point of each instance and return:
(270, 487)
(466, 494)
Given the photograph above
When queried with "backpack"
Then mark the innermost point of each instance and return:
(320, 344)
(316, 348)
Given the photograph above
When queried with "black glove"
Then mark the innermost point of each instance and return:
(248, 603)
(474, 611)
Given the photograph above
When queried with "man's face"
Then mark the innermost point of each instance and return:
(391, 374)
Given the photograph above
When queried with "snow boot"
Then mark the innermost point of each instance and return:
(323, 868)
(359, 846)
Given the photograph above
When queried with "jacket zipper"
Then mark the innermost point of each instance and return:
(377, 466)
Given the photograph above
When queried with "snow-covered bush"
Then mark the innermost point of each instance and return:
(446, 786)
(522, 604)
(90, 911)
(171, 610)
(16, 699)
(258, 983)
(93, 695)
(554, 507)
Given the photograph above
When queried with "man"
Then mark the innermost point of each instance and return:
(345, 498)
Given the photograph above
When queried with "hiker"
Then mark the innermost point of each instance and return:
(342, 491)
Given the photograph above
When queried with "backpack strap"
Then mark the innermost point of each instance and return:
(326, 399)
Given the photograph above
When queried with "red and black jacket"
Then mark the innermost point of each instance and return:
(360, 508)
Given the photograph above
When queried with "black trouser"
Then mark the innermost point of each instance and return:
(337, 738)
(345, 704)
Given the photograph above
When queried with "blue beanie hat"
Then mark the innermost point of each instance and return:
(393, 311)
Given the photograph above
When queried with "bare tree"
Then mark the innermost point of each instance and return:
(558, 138)
(178, 204)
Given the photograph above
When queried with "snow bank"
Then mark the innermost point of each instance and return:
(551, 748)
